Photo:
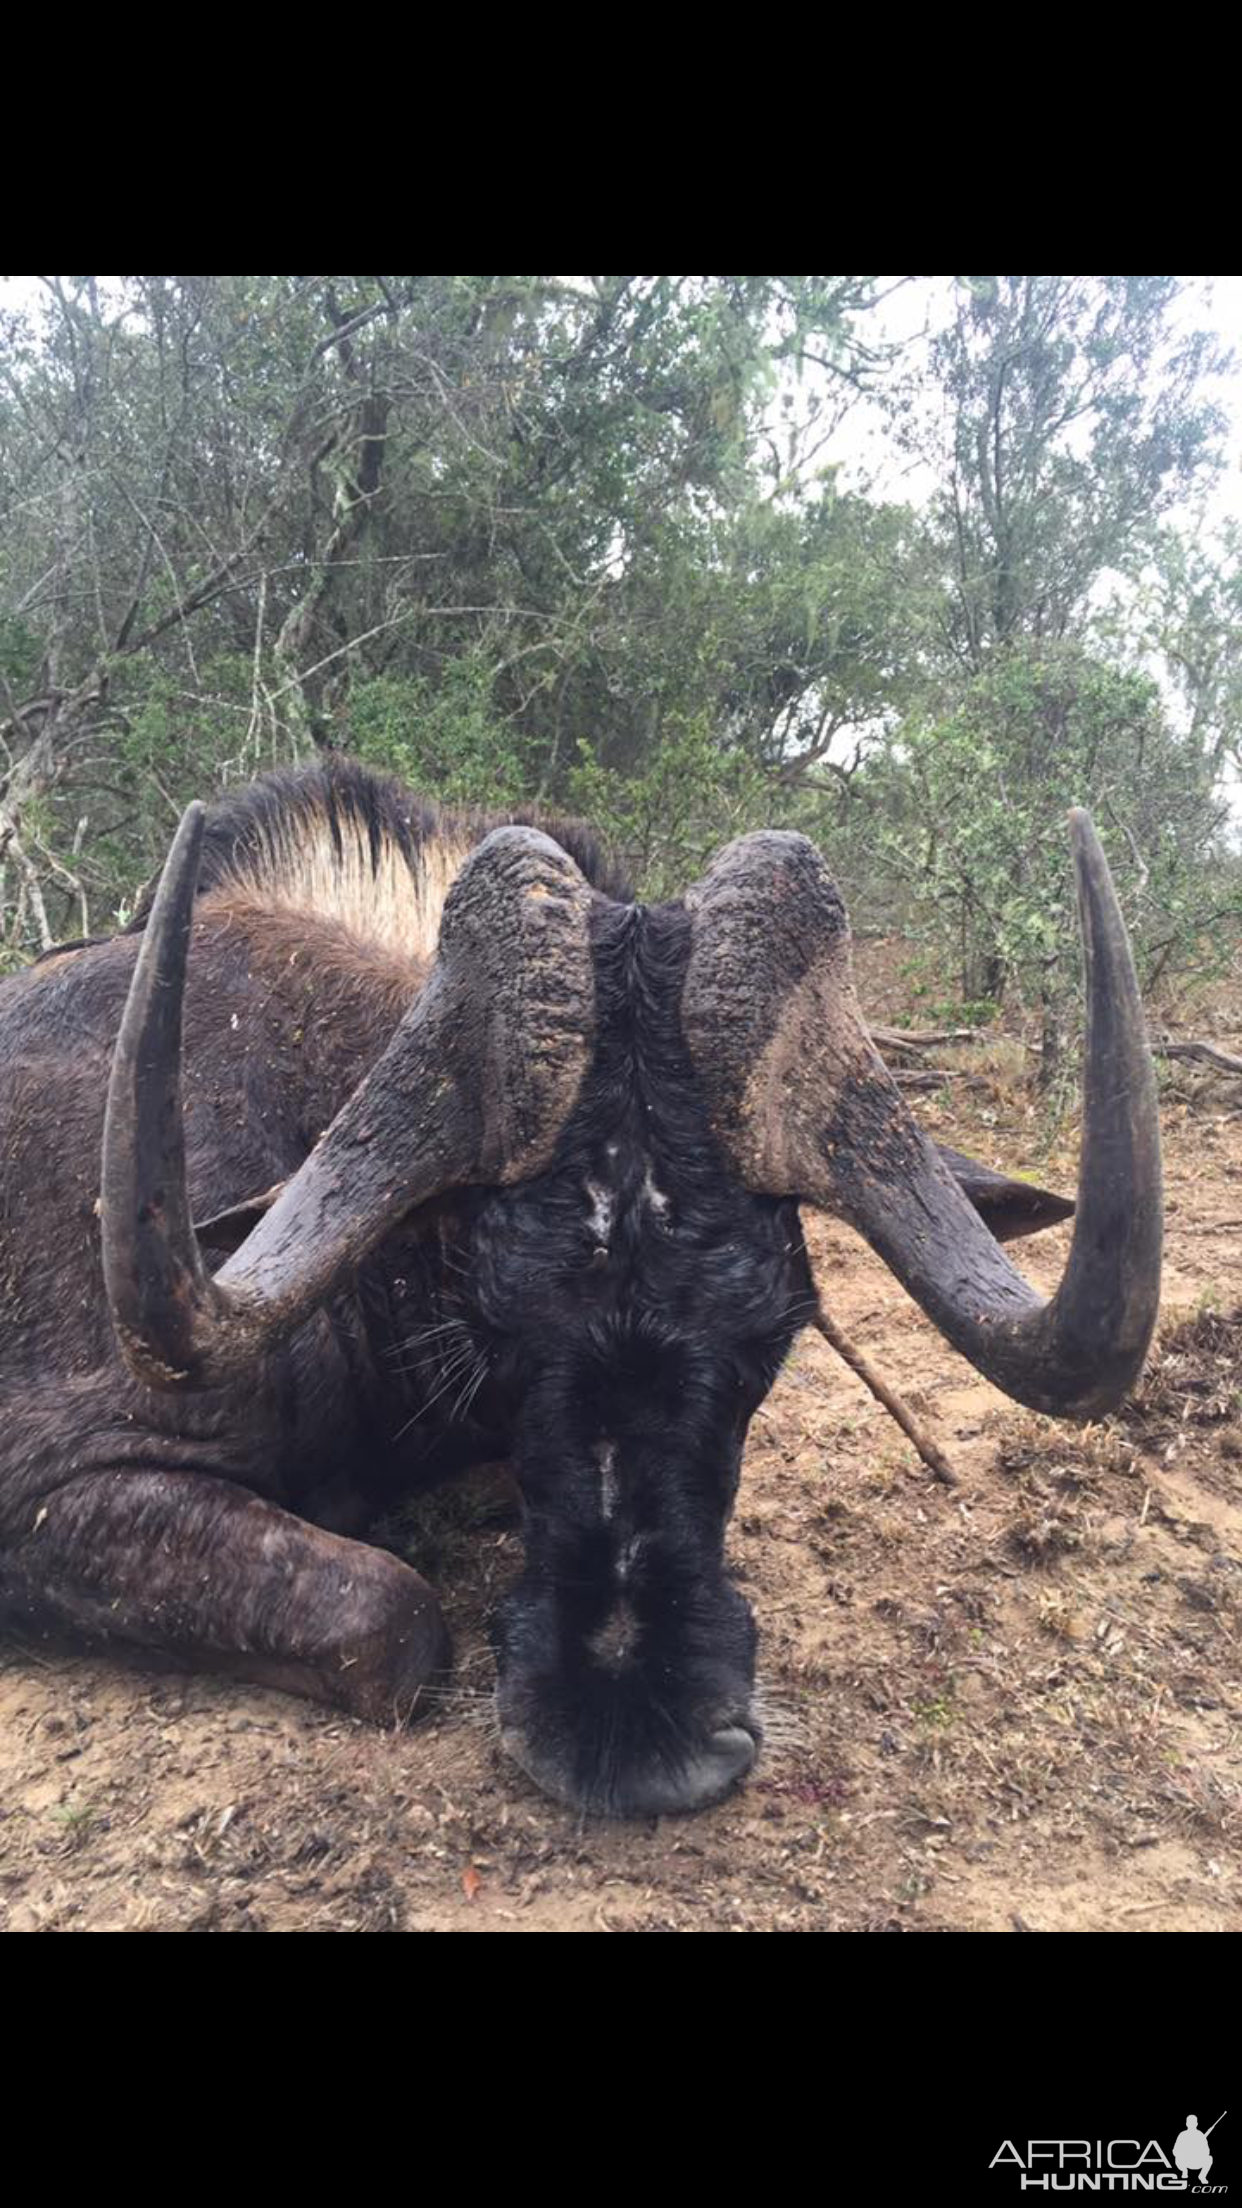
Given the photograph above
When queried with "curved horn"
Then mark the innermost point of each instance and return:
(803, 1106)
(475, 1086)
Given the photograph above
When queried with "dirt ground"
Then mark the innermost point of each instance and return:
(1011, 1706)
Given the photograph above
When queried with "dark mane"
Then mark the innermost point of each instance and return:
(257, 835)
(247, 824)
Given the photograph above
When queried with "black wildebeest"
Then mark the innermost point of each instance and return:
(487, 1160)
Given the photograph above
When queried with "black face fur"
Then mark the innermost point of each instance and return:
(634, 1306)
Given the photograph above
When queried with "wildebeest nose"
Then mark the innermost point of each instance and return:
(655, 1788)
(706, 1778)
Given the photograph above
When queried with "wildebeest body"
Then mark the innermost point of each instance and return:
(485, 1159)
(319, 903)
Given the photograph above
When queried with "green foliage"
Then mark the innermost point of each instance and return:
(446, 738)
(578, 541)
(668, 819)
(19, 654)
(167, 750)
(922, 976)
(971, 812)
(1063, 415)
(454, 522)
(1186, 615)
(696, 794)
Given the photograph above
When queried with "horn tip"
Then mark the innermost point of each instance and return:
(1084, 834)
(187, 842)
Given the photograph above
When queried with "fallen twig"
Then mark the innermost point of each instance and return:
(933, 1456)
(926, 1038)
(1211, 1053)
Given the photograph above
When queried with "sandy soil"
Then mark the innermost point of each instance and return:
(1010, 1706)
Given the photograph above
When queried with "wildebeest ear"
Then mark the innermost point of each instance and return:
(227, 1230)
(1007, 1208)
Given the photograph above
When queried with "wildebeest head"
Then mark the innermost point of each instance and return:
(636, 1100)
(634, 1305)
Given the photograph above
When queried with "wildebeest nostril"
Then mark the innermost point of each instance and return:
(734, 1751)
(705, 1779)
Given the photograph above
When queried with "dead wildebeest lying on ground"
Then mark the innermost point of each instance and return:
(506, 1166)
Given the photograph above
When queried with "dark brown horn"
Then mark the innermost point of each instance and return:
(474, 1087)
(803, 1107)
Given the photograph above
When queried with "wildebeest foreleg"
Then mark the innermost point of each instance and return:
(201, 1569)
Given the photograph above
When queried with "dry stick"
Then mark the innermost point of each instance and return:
(1210, 1053)
(933, 1457)
(932, 1078)
(927, 1038)
(894, 1041)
